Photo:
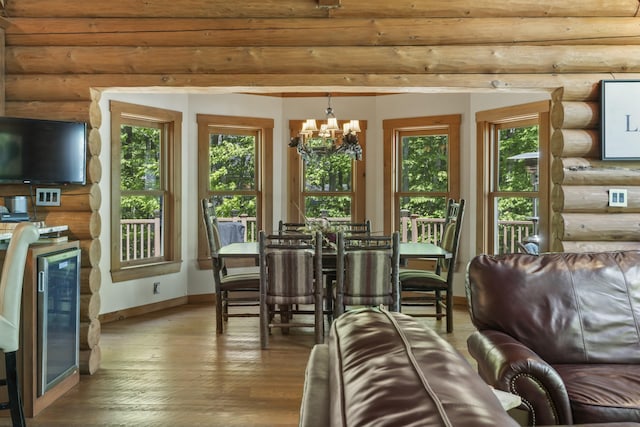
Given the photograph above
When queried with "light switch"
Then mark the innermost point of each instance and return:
(617, 197)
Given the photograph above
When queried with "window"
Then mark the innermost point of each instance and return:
(331, 186)
(422, 171)
(145, 191)
(232, 154)
(512, 152)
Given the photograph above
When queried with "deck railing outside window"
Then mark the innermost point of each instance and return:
(138, 240)
(417, 229)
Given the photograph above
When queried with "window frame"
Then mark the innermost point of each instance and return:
(171, 182)
(295, 186)
(393, 130)
(263, 127)
(487, 123)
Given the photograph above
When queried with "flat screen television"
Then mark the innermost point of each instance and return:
(36, 151)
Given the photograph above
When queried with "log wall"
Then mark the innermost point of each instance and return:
(59, 54)
(582, 219)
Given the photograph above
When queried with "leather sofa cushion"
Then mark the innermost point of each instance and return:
(567, 307)
(388, 370)
(315, 396)
(602, 392)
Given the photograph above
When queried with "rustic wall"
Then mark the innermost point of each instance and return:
(60, 53)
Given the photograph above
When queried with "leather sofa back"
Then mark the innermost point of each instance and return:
(567, 307)
(385, 369)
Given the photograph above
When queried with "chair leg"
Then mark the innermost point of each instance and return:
(264, 324)
(319, 320)
(219, 314)
(438, 304)
(13, 390)
(225, 306)
(329, 298)
(449, 310)
(285, 317)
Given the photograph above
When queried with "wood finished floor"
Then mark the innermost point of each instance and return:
(170, 369)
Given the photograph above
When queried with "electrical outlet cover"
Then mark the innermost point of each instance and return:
(617, 197)
(47, 197)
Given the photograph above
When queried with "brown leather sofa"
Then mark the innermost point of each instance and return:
(385, 369)
(562, 331)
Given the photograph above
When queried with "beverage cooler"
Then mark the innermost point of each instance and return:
(58, 317)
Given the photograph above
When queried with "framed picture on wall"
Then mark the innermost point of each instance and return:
(620, 119)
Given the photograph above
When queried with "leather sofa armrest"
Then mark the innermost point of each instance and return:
(508, 365)
(314, 408)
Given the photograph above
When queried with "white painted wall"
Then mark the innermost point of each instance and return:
(121, 295)
(201, 281)
(192, 281)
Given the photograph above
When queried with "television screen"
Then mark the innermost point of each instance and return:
(42, 151)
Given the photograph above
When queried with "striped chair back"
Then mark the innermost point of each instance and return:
(367, 279)
(367, 271)
(290, 282)
(290, 276)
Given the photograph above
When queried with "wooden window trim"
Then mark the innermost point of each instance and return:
(485, 126)
(450, 123)
(264, 164)
(172, 174)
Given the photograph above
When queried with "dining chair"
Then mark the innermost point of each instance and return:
(290, 227)
(237, 287)
(367, 271)
(11, 281)
(349, 227)
(426, 287)
(290, 281)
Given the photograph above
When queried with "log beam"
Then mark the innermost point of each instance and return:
(90, 360)
(89, 307)
(308, 9)
(575, 115)
(91, 280)
(322, 59)
(594, 246)
(82, 225)
(89, 334)
(585, 171)
(358, 31)
(596, 227)
(575, 143)
(591, 198)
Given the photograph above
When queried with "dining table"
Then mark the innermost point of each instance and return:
(407, 250)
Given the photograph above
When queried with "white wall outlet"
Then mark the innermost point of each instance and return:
(47, 197)
(617, 197)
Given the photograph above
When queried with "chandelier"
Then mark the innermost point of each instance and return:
(313, 142)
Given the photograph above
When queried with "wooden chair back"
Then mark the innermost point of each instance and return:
(290, 227)
(450, 239)
(352, 228)
(213, 235)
